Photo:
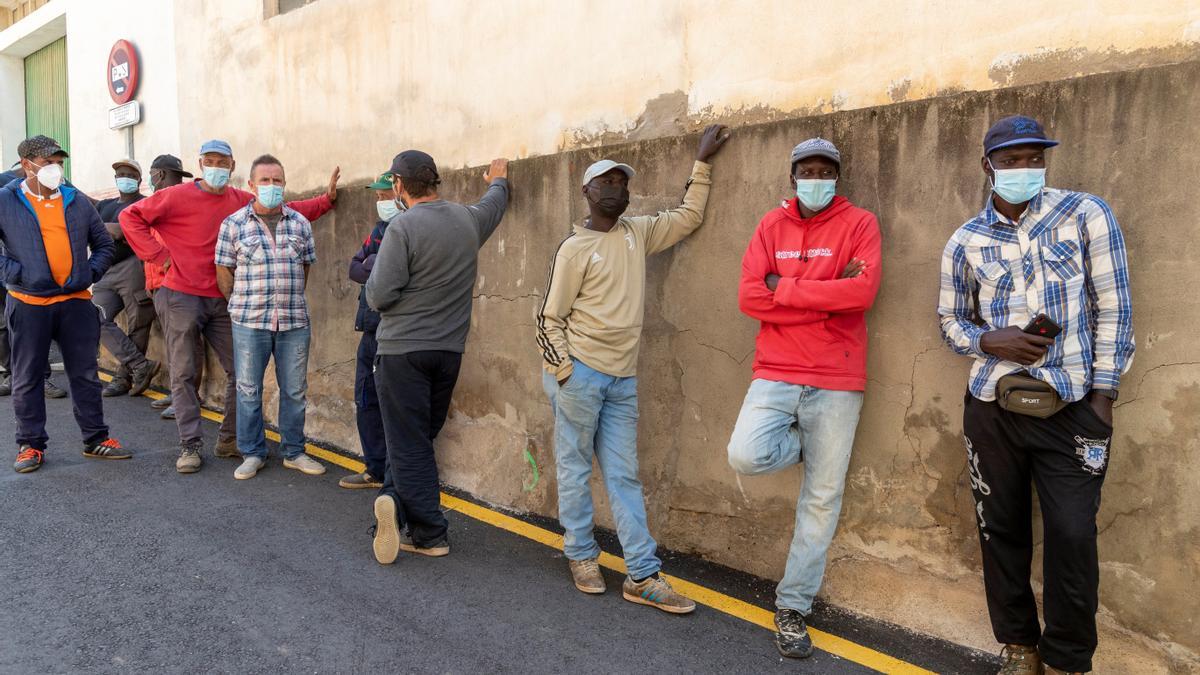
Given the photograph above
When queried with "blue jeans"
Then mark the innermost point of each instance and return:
(778, 421)
(595, 415)
(252, 348)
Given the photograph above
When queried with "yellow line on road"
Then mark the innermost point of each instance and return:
(703, 595)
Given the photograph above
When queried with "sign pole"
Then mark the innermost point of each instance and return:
(129, 142)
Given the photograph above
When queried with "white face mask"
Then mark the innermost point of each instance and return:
(50, 176)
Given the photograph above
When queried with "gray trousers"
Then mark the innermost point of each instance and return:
(123, 289)
(190, 317)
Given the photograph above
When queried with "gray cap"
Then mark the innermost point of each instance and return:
(604, 166)
(816, 147)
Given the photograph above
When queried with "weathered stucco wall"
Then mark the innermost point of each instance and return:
(906, 548)
(344, 81)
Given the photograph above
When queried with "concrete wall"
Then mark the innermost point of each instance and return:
(91, 29)
(149, 25)
(906, 549)
(349, 81)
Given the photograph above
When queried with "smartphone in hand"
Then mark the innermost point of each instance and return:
(1043, 326)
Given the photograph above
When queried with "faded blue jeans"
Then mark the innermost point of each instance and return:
(778, 422)
(595, 415)
(252, 348)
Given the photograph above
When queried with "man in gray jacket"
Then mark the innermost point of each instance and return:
(421, 285)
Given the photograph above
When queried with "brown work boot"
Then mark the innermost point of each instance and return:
(227, 448)
(1020, 660)
(656, 592)
(586, 574)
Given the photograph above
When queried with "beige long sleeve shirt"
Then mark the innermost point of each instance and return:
(597, 291)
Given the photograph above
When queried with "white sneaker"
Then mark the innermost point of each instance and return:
(306, 464)
(249, 468)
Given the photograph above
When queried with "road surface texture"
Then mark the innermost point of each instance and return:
(127, 566)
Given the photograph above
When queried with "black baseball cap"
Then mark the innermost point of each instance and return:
(1015, 130)
(40, 146)
(410, 163)
(169, 163)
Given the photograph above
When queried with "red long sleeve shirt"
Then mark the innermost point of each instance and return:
(813, 325)
(187, 219)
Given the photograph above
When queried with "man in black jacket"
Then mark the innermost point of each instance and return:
(366, 401)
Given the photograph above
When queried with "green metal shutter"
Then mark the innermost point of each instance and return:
(46, 107)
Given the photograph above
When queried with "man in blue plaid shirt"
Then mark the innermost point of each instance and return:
(1034, 259)
(263, 255)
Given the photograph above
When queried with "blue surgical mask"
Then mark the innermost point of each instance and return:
(1017, 186)
(216, 176)
(387, 209)
(270, 196)
(815, 194)
(127, 186)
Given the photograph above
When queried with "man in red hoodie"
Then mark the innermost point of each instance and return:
(809, 275)
(187, 217)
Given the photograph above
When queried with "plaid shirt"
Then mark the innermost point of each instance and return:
(268, 284)
(1065, 258)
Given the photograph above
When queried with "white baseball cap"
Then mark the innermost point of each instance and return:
(604, 166)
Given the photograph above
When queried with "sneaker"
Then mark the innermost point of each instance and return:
(109, 448)
(656, 592)
(305, 464)
(437, 549)
(586, 574)
(792, 639)
(1021, 660)
(225, 447)
(53, 390)
(5, 385)
(142, 377)
(360, 481)
(249, 468)
(386, 542)
(169, 413)
(116, 387)
(28, 459)
(161, 403)
(189, 456)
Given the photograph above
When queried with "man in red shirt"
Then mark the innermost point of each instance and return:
(809, 275)
(187, 217)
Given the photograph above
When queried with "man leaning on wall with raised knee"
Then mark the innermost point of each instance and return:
(1035, 289)
(809, 275)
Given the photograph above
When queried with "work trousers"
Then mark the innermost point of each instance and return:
(190, 317)
(123, 289)
(1065, 457)
(414, 396)
(366, 408)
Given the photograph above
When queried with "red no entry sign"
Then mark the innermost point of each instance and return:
(122, 71)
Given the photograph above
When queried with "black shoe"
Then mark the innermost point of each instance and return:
(54, 391)
(28, 459)
(117, 387)
(109, 448)
(435, 549)
(142, 377)
(792, 640)
(5, 385)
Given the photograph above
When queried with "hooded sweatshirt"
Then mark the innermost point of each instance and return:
(813, 326)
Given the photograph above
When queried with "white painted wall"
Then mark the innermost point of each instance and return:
(92, 28)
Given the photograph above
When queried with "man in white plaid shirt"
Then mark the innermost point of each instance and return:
(1036, 260)
(263, 255)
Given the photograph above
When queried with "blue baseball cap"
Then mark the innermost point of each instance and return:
(1015, 130)
(218, 146)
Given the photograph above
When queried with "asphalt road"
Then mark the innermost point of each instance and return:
(127, 566)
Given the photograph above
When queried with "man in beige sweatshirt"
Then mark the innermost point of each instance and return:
(588, 330)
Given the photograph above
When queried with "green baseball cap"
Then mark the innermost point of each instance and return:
(384, 182)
